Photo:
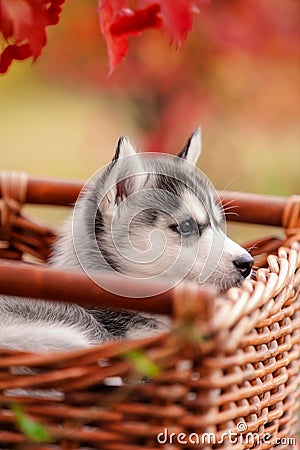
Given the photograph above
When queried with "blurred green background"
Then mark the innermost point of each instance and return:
(237, 75)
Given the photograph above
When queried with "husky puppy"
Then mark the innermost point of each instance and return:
(142, 216)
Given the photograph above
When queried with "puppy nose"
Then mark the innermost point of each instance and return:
(244, 264)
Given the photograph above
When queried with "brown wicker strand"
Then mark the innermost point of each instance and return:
(291, 218)
(20, 235)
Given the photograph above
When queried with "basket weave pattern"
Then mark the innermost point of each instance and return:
(228, 361)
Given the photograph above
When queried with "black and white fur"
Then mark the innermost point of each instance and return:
(186, 213)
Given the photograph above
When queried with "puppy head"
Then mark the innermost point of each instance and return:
(159, 216)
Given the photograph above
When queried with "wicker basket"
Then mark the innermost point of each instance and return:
(229, 368)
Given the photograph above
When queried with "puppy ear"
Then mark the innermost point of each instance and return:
(124, 148)
(125, 177)
(192, 149)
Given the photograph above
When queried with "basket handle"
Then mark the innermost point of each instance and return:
(252, 208)
(74, 287)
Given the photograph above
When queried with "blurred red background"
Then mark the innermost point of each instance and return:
(240, 59)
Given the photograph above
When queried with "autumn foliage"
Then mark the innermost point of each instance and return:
(118, 21)
(237, 64)
(23, 24)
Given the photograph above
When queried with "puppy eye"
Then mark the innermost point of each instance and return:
(186, 227)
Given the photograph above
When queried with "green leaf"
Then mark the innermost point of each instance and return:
(143, 364)
(32, 429)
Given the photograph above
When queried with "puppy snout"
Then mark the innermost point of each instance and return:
(244, 264)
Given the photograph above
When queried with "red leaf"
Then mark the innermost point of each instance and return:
(16, 18)
(117, 21)
(138, 21)
(176, 16)
(109, 12)
(22, 24)
(13, 52)
(54, 11)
